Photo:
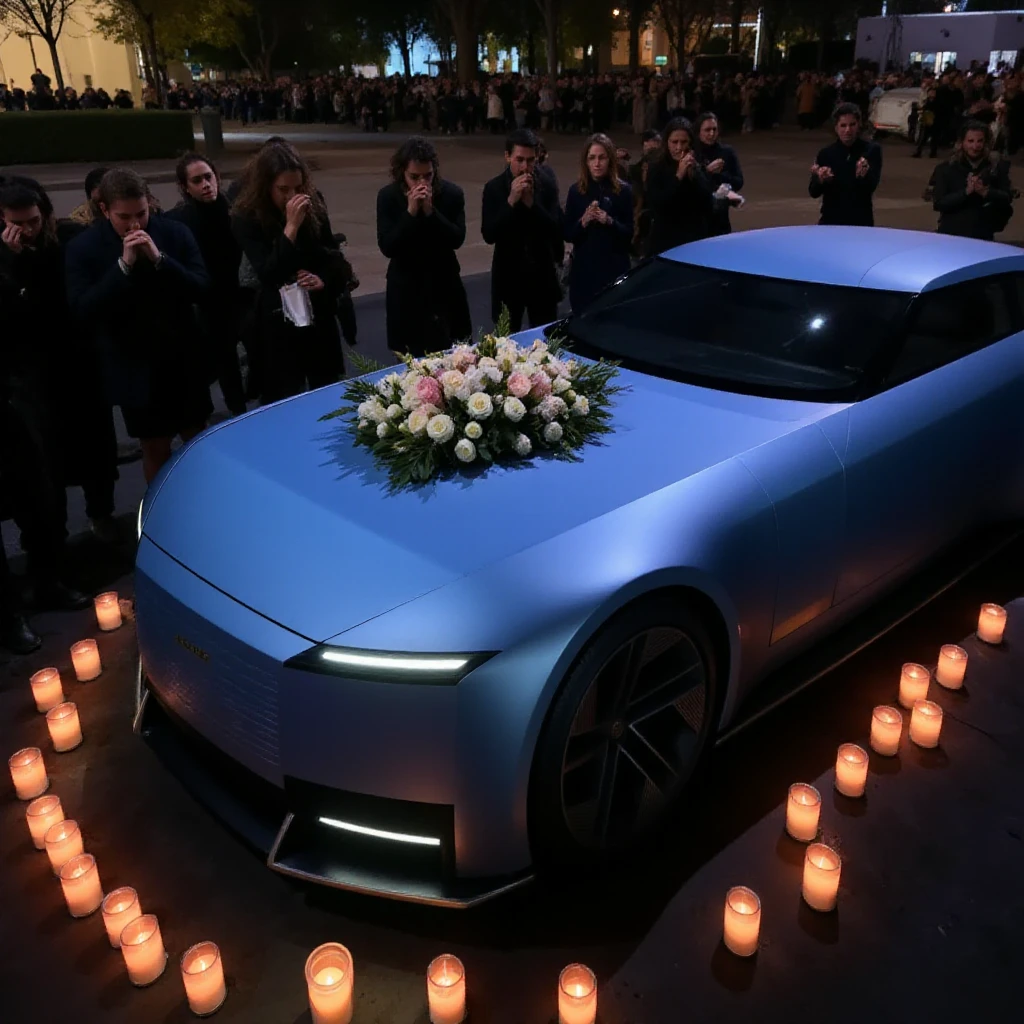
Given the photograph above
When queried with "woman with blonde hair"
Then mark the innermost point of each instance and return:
(598, 222)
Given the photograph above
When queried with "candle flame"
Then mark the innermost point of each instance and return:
(578, 992)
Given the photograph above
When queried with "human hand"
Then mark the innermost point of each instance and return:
(824, 173)
(428, 199)
(716, 165)
(527, 189)
(686, 165)
(862, 167)
(12, 238)
(310, 282)
(518, 187)
(295, 211)
(139, 243)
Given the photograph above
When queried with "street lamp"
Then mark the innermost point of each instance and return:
(615, 12)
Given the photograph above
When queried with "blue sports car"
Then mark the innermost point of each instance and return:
(429, 695)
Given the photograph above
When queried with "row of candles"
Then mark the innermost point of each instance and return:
(822, 864)
(329, 968)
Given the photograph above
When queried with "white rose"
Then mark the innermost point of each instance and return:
(465, 450)
(581, 407)
(553, 433)
(492, 373)
(385, 386)
(372, 410)
(523, 446)
(487, 362)
(451, 381)
(480, 405)
(383, 429)
(418, 421)
(394, 411)
(474, 431)
(440, 428)
(560, 385)
(514, 409)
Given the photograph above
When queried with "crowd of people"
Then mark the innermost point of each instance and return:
(42, 96)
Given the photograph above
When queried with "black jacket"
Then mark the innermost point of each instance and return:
(426, 303)
(680, 208)
(600, 252)
(210, 224)
(526, 240)
(846, 199)
(730, 175)
(143, 322)
(974, 215)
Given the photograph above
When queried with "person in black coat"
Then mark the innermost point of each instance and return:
(678, 192)
(972, 192)
(206, 213)
(845, 175)
(522, 219)
(421, 223)
(598, 223)
(133, 281)
(281, 222)
(721, 165)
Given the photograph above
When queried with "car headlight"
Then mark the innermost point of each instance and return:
(138, 522)
(389, 666)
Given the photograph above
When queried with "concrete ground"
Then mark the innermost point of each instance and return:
(928, 925)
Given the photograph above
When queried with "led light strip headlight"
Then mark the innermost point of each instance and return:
(378, 833)
(389, 666)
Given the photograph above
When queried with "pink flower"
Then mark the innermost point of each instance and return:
(429, 391)
(519, 384)
(540, 385)
(462, 359)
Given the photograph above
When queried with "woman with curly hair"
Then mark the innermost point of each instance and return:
(421, 222)
(281, 223)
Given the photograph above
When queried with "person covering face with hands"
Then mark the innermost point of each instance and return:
(844, 176)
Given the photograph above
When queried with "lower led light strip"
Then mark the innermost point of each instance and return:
(397, 837)
(395, 661)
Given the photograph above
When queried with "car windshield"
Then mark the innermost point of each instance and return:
(740, 332)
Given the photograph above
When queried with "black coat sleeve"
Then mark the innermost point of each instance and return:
(396, 227)
(94, 286)
(448, 221)
(184, 269)
(496, 215)
(274, 258)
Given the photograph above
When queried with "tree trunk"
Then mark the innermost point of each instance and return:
(154, 58)
(634, 45)
(737, 21)
(51, 44)
(404, 49)
(531, 53)
(466, 41)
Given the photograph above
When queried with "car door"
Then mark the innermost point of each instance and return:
(928, 457)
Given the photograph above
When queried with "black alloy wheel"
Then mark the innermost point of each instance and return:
(626, 734)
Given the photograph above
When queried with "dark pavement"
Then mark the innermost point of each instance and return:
(928, 926)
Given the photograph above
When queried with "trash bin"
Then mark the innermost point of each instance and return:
(213, 130)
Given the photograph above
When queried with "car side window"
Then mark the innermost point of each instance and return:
(951, 323)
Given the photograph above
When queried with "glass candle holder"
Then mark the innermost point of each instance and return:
(914, 680)
(142, 947)
(43, 812)
(202, 973)
(952, 667)
(742, 920)
(802, 811)
(577, 995)
(85, 656)
(47, 689)
(851, 770)
(80, 880)
(329, 977)
(64, 726)
(886, 728)
(108, 611)
(925, 724)
(821, 877)
(28, 773)
(446, 990)
(991, 623)
(120, 907)
(62, 842)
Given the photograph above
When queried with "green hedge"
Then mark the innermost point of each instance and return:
(93, 136)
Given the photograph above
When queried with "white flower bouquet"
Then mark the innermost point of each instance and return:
(495, 401)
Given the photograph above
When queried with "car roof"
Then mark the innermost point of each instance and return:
(880, 258)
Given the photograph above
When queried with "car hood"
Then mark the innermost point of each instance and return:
(281, 512)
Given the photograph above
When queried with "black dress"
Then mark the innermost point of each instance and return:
(427, 308)
(295, 357)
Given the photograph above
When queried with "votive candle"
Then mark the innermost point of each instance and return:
(43, 812)
(80, 880)
(914, 680)
(446, 990)
(991, 623)
(46, 689)
(85, 656)
(202, 972)
(802, 811)
(28, 773)
(64, 726)
(142, 947)
(886, 727)
(329, 977)
(62, 842)
(952, 667)
(742, 920)
(851, 769)
(108, 611)
(577, 995)
(120, 908)
(926, 724)
(821, 877)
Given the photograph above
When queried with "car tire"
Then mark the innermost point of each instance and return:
(627, 733)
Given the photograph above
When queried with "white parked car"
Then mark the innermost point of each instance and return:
(891, 111)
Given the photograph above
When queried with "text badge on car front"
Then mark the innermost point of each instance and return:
(192, 648)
